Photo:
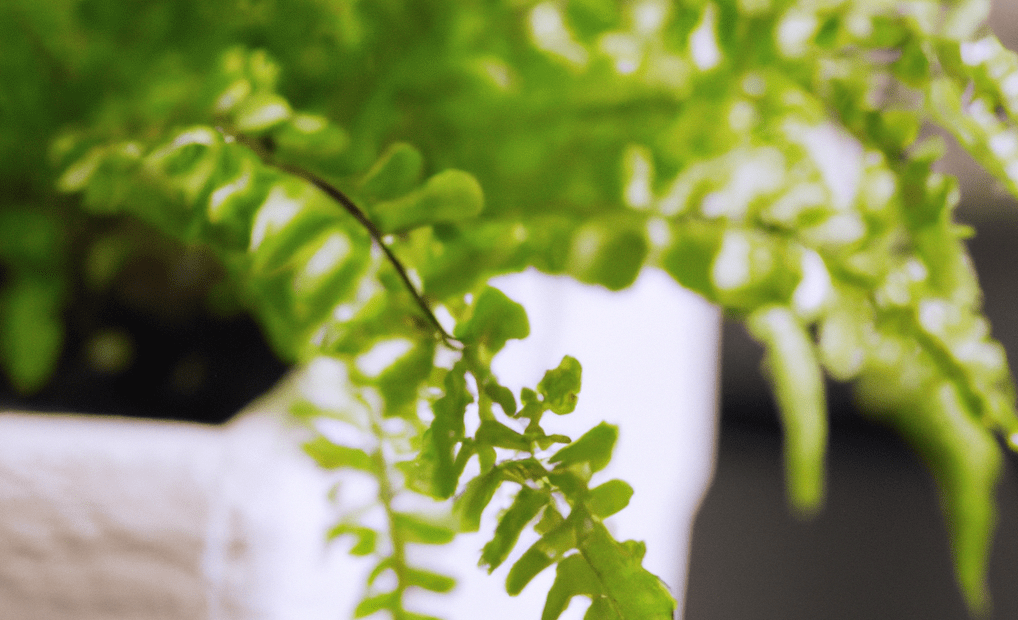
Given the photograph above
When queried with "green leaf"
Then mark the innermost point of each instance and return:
(31, 331)
(401, 382)
(530, 564)
(375, 604)
(447, 429)
(690, 257)
(560, 387)
(367, 538)
(494, 319)
(793, 368)
(394, 174)
(609, 498)
(573, 577)
(966, 462)
(494, 433)
(420, 529)
(635, 593)
(608, 254)
(433, 582)
(333, 456)
(549, 549)
(475, 498)
(449, 196)
(601, 609)
(501, 395)
(260, 112)
(527, 503)
(594, 447)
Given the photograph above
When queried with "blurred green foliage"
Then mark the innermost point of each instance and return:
(764, 153)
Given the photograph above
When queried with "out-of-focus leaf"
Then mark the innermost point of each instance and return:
(334, 456)
(374, 604)
(449, 196)
(428, 580)
(31, 331)
(794, 370)
(573, 577)
(423, 530)
(394, 174)
(367, 538)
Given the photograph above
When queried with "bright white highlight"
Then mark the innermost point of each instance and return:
(551, 35)
(649, 16)
(224, 192)
(198, 135)
(637, 193)
(381, 356)
(731, 269)
(837, 155)
(794, 33)
(703, 42)
(977, 52)
(754, 174)
(309, 123)
(278, 211)
(815, 288)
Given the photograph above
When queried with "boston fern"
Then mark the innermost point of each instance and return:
(362, 168)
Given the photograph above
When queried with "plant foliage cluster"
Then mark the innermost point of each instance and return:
(362, 168)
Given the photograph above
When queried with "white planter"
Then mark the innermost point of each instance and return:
(117, 519)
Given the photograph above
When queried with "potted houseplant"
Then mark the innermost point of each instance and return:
(360, 171)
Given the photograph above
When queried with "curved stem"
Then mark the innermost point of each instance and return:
(337, 195)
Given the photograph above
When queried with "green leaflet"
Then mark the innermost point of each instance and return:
(498, 435)
(501, 395)
(449, 196)
(494, 320)
(447, 429)
(573, 577)
(527, 503)
(475, 498)
(374, 604)
(609, 498)
(966, 463)
(418, 529)
(551, 547)
(334, 456)
(395, 173)
(633, 592)
(610, 254)
(593, 448)
(366, 538)
(430, 581)
(560, 386)
(793, 368)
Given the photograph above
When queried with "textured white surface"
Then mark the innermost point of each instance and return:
(105, 518)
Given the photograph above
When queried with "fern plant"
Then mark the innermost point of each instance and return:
(361, 169)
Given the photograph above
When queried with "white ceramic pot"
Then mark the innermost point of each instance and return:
(110, 519)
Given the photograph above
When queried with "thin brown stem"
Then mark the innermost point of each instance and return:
(344, 201)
